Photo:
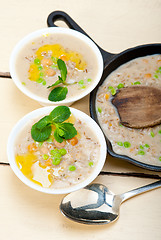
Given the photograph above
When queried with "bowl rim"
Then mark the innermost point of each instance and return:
(53, 30)
(43, 111)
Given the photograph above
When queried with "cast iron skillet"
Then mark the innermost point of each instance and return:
(111, 62)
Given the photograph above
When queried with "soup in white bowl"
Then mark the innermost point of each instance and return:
(56, 66)
(56, 150)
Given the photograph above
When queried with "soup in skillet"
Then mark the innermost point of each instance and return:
(143, 145)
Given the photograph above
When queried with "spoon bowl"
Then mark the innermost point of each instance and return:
(96, 204)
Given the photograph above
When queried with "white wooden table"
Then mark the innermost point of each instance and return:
(28, 214)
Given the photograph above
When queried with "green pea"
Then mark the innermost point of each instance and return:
(120, 144)
(62, 151)
(141, 147)
(159, 158)
(90, 164)
(99, 109)
(37, 61)
(159, 131)
(72, 168)
(40, 68)
(110, 87)
(127, 144)
(156, 76)
(44, 83)
(112, 90)
(83, 87)
(81, 82)
(89, 80)
(152, 134)
(54, 59)
(56, 161)
(137, 83)
(54, 66)
(54, 151)
(23, 83)
(57, 155)
(41, 74)
(141, 152)
(146, 145)
(45, 156)
(40, 80)
(121, 85)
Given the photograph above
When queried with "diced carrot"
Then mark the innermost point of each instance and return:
(159, 61)
(106, 96)
(74, 141)
(48, 162)
(63, 57)
(147, 75)
(32, 147)
(145, 60)
(110, 124)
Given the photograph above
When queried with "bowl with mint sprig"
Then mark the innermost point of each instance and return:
(56, 150)
(56, 66)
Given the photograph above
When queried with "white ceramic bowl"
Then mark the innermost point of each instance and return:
(45, 111)
(65, 31)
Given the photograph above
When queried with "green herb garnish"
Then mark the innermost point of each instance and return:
(41, 130)
(59, 93)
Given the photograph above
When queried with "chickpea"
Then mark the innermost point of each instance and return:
(46, 62)
(59, 145)
(50, 72)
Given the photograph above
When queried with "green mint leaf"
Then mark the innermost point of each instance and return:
(58, 94)
(60, 114)
(40, 135)
(56, 83)
(68, 129)
(43, 122)
(57, 137)
(63, 69)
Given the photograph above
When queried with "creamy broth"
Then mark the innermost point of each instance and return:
(79, 156)
(81, 62)
(143, 145)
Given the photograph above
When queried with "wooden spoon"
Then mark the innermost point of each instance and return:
(138, 106)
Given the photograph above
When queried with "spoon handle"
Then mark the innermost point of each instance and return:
(137, 191)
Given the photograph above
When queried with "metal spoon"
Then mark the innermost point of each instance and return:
(96, 204)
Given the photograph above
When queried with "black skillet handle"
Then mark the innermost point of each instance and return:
(59, 15)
